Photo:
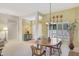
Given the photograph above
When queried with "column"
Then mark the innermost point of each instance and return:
(20, 34)
(37, 25)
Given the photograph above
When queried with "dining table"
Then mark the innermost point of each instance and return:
(46, 43)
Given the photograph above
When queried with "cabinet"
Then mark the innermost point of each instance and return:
(59, 30)
(27, 37)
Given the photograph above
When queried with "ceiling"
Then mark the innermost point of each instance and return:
(30, 9)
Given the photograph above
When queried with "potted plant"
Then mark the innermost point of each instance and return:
(71, 29)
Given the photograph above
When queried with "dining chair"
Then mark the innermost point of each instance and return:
(38, 51)
(57, 47)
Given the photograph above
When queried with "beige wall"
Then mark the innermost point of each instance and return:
(27, 26)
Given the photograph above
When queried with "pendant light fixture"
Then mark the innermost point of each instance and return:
(50, 13)
(49, 23)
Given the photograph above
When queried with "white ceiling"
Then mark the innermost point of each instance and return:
(30, 9)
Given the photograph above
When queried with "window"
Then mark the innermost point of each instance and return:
(50, 26)
(65, 26)
(59, 26)
(54, 26)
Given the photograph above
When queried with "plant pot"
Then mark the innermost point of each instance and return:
(71, 46)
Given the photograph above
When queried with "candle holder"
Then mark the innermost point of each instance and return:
(49, 40)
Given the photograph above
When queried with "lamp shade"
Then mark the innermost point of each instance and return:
(5, 28)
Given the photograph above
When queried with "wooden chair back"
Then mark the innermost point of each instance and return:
(37, 51)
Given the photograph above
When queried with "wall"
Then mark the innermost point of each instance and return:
(10, 22)
(26, 25)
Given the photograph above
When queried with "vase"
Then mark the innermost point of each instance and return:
(49, 40)
(71, 46)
